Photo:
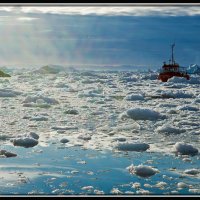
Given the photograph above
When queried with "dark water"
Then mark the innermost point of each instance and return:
(57, 170)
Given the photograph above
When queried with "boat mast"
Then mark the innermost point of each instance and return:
(173, 45)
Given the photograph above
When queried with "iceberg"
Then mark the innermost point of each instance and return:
(193, 69)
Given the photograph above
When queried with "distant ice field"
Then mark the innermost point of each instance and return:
(96, 109)
(125, 113)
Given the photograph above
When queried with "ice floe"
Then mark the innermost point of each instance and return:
(71, 112)
(169, 129)
(34, 135)
(134, 97)
(40, 99)
(177, 94)
(9, 93)
(25, 142)
(132, 146)
(64, 128)
(182, 185)
(142, 114)
(39, 118)
(7, 154)
(185, 149)
(64, 140)
(84, 136)
(142, 170)
(192, 171)
(188, 108)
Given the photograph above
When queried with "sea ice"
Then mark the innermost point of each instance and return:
(87, 187)
(189, 108)
(64, 140)
(34, 135)
(182, 185)
(64, 128)
(168, 129)
(134, 97)
(116, 191)
(142, 170)
(71, 112)
(39, 118)
(25, 142)
(185, 149)
(39, 99)
(7, 153)
(9, 93)
(192, 171)
(132, 146)
(84, 136)
(177, 94)
(4, 137)
(142, 114)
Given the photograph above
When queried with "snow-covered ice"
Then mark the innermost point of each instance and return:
(25, 142)
(185, 149)
(142, 170)
(142, 114)
(132, 146)
(100, 109)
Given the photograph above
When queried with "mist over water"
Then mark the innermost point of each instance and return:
(39, 38)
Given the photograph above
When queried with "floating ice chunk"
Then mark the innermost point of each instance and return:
(185, 149)
(39, 118)
(192, 171)
(133, 126)
(64, 140)
(116, 191)
(168, 129)
(196, 101)
(25, 142)
(197, 191)
(4, 137)
(91, 93)
(178, 80)
(7, 154)
(9, 93)
(136, 185)
(134, 97)
(84, 136)
(189, 123)
(87, 187)
(189, 108)
(64, 128)
(142, 191)
(193, 80)
(132, 146)
(99, 192)
(34, 135)
(142, 170)
(39, 99)
(150, 76)
(142, 114)
(61, 85)
(161, 185)
(71, 112)
(176, 94)
(120, 139)
(182, 185)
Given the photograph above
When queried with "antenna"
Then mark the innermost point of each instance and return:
(173, 61)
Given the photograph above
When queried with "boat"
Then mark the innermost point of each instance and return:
(172, 69)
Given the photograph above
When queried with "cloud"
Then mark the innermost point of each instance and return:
(116, 10)
(26, 18)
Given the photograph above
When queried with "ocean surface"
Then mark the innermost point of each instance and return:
(78, 133)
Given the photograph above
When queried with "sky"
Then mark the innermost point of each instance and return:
(99, 35)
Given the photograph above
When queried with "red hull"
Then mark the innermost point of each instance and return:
(167, 75)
